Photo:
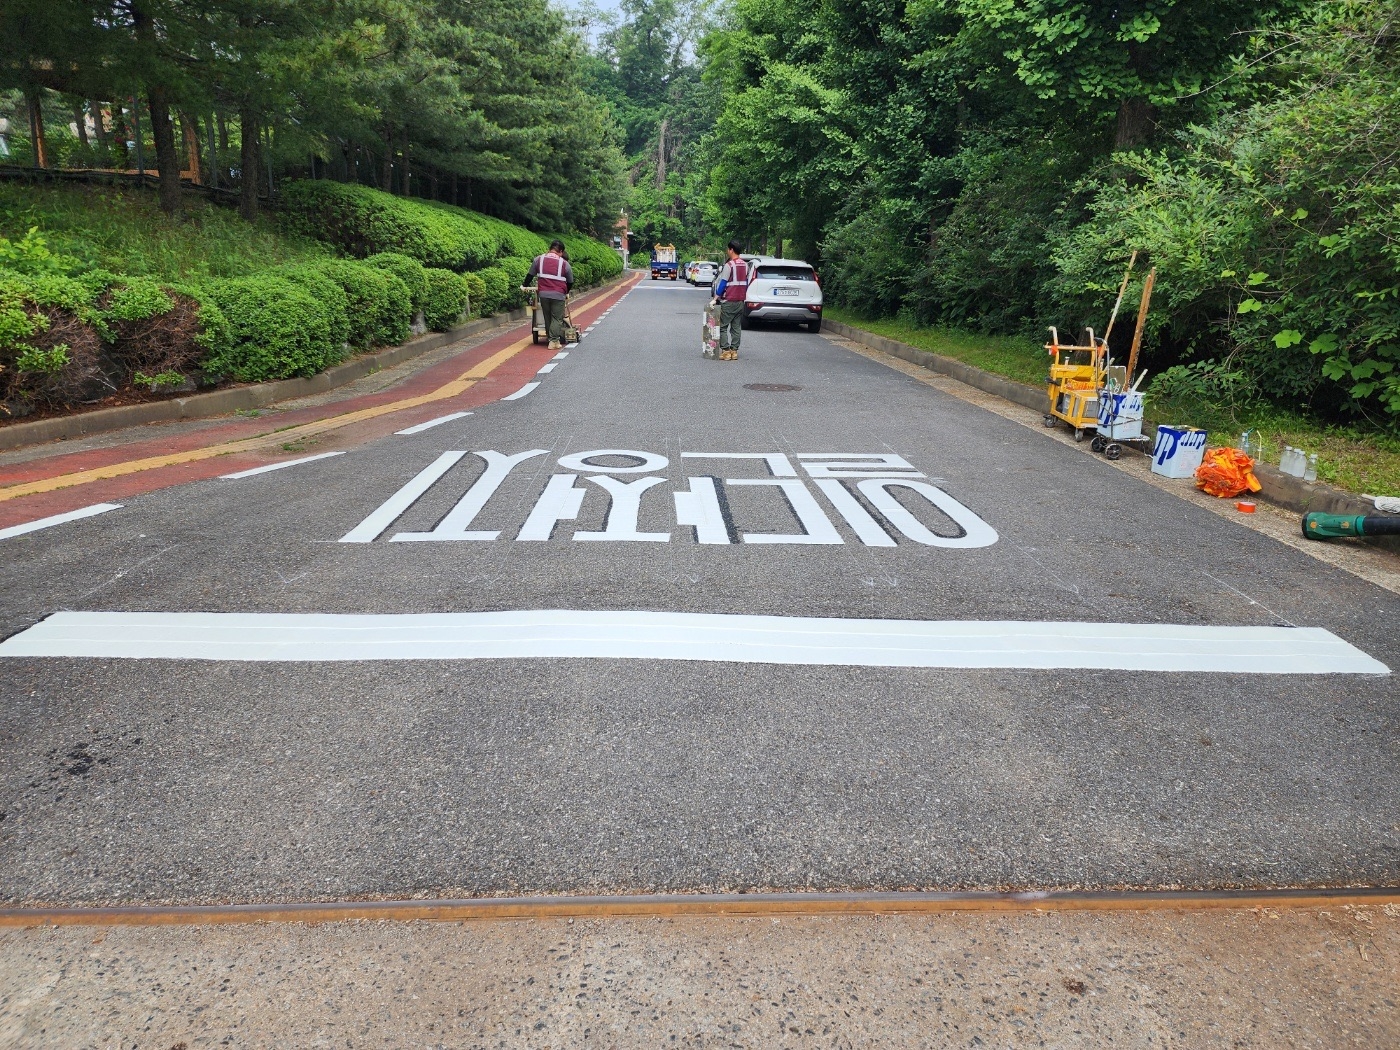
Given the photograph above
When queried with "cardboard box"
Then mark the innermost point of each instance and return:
(1120, 415)
(1178, 451)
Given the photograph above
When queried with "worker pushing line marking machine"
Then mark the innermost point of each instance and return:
(539, 329)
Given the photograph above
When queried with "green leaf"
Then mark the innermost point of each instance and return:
(1330, 241)
(1324, 344)
(1227, 273)
(1257, 278)
(1250, 306)
(1300, 214)
(1288, 337)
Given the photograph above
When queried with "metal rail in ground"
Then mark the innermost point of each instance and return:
(718, 904)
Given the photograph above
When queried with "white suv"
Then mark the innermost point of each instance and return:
(702, 273)
(784, 290)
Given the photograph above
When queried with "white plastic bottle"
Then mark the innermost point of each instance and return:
(1310, 474)
(1285, 461)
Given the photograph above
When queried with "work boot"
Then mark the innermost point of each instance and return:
(555, 345)
(729, 355)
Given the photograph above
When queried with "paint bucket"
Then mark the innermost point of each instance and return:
(1245, 506)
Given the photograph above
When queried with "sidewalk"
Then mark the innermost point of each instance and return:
(1260, 979)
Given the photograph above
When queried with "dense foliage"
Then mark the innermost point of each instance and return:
(992, 166)
(481, 104)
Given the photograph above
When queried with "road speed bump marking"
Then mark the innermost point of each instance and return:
(722, 638)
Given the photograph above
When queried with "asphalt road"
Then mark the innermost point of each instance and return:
(143, 780)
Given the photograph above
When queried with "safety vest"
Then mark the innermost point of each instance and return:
(550, 269)
(738, 283)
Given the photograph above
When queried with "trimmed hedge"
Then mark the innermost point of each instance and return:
(496, 289)
(327, 292)
(380, 309)
(410, 271)
(593, 261)
(362, 221)
(476, 291)
(516, 269)
(277, 329)
(447, 299)
(512, 239)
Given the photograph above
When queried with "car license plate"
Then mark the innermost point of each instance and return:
(784, 291)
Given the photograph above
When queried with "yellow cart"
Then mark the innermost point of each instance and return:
(1076, 377)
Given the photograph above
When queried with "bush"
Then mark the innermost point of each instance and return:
(517, 269)
(380, 306)
(410, 271)
(867, 264)
(593, 261)
(476, 292)
(155, 330)
(51, 340)
(495, 291)
(446, 300)
(276, 329)
(327, 292)
(363, 222)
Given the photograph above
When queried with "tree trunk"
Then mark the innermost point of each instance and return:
(661, 154)
(167, 156)
(250, 163)
(38, 144)
(211, 139)
(387, 181)
(1137, 120)
(223, 132)
(104, 140)
(189, 133)
(80, 122)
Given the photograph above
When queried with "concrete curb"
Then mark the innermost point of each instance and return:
(244, 398)
(1280, 489)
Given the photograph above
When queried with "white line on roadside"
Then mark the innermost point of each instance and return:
(432, 423)
(642, 635)
(521, 392)
(57, 519)
(546, 369)
(279, 466)
(560, 355)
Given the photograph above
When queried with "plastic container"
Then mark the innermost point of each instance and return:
(1310, 472)
(1246, 506)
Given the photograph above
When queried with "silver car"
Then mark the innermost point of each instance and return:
(702, 273)
(784, 290)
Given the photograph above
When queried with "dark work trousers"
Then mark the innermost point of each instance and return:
(730, 324)
(553, 318)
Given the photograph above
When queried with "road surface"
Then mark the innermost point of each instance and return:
(639, 621)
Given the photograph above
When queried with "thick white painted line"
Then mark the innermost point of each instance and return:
(432, 423)
(57, 519)
(555, 634)
(546, 369)
(388, 512)
(279, 466)
(521, 392)
(560, 355)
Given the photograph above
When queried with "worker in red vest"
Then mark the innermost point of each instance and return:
(730, 292)
(555, 279)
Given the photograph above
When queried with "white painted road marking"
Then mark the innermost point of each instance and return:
(645, 635)
(560, 355)
(432, 423)
(58, 519)
(454, 525)
(279, 466)
(385, 515)
(521, 392)
(545, 369)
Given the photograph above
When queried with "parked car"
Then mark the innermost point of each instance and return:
(702, 272)
(784, 290)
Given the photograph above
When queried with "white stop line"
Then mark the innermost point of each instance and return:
(569, 634)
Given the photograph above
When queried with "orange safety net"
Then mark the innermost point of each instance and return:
(1226, 472)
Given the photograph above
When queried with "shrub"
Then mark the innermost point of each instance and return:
(154, 330)
(495, 290)
(476, 292)
(50, 343)
(362, 221)
(381, 308)
(276, 329)
(593, 261)
(510, 238)
(447, 299)
(327, 292)
(410, 271)
(517, 269)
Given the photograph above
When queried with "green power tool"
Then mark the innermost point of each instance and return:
(1317, 526)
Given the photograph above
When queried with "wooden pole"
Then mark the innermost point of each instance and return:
(1122, 288)
(1141, 320)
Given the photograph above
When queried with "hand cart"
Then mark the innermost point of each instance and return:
(539, 332)
(1076, 377)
